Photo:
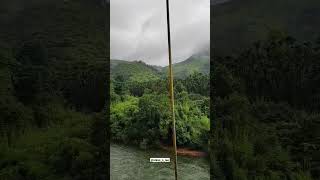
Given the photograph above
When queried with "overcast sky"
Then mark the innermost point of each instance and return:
(138, 29)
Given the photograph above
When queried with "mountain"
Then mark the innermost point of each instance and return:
(138, 70)
(135, 70)
(195, 63)
(238, 23)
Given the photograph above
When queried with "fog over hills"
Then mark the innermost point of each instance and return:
(138, 29)
(196, 63)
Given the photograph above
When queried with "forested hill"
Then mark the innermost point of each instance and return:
(136, 70)
(196, 63)
(238, 23)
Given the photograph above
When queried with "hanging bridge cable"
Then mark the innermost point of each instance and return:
(172, 95)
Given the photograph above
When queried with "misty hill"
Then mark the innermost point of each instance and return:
(238, 23)
(195, 63)
(136, 70)
(140, 70)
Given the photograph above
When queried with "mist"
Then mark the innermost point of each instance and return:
(138, 29)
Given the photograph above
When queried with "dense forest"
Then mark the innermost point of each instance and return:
(139, 112)
(265, 115)
(53, 88)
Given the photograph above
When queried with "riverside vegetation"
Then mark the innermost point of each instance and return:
(265, 112)
(265, 68)
(140, 113)
(53, 87)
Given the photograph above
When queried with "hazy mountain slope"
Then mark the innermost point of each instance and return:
(136, 70)
(140, 71)
(195, 63)
(238, 23)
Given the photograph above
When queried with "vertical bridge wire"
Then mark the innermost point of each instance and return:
(172, 95)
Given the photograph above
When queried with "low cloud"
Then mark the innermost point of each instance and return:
(138, 29)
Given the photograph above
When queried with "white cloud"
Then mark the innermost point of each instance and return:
(138, 29)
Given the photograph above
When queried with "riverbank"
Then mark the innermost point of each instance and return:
(133, 163)
(181, 151)
(186, 151)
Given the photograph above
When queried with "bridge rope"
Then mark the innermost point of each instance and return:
(174, 139)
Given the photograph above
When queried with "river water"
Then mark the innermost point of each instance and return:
(131, 163)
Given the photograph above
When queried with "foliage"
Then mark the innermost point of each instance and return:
(265, 123)
(196, 63)
(53, 88)
(140, 114)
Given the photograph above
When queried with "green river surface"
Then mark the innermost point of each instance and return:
(132, 163)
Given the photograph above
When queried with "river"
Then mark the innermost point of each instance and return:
(131, 163)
